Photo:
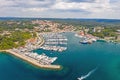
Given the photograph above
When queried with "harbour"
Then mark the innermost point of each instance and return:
(60, 40)
(54, 42)
(42, 61)
(33, 61)
(84, 58)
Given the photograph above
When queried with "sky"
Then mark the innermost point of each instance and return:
(105, 9)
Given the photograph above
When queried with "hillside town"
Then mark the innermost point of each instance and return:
(49, 26)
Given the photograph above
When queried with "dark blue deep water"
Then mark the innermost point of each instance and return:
(77, 60)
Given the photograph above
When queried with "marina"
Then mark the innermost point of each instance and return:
(53, 48)
(51, 41)
(45, 63)
(54, 42)
(25, 53)
(60, 40)
(97, 54)
(42, 59)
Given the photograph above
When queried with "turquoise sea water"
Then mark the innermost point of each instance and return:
(77, 60)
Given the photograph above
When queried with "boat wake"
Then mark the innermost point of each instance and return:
(87, 75)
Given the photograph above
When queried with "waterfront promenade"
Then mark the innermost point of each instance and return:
(32, 61)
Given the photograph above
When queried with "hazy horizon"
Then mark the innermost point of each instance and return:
(58, 18)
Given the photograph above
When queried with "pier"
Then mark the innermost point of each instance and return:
(42, 61)
(54, 42)
(51, 41)
(32, 61)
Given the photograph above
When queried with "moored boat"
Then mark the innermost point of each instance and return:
(84, 42)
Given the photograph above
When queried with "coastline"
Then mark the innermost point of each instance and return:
(32, 61)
